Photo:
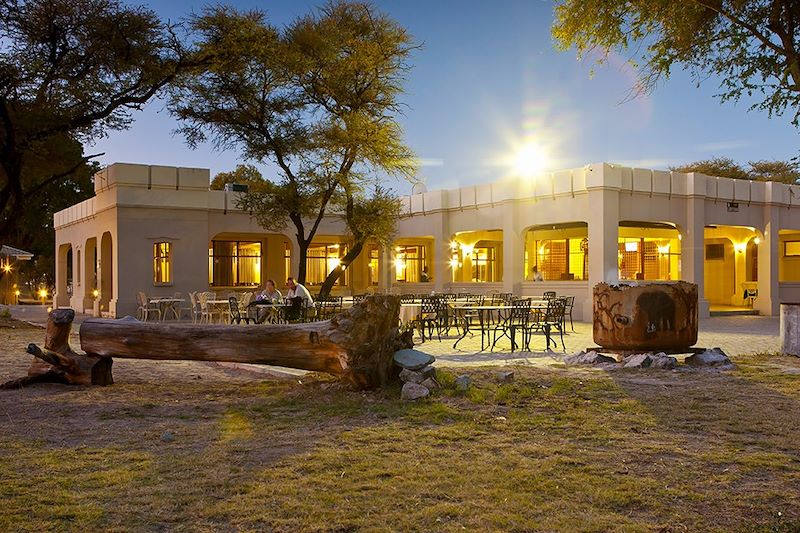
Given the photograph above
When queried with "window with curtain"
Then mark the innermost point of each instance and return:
(484, 264)
(374, 262)
(562, 259)
(162, 263)
(234, 263)
(321, 260)
(408, 263)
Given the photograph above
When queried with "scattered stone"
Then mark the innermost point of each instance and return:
(412, 359)
(639, 360)
(506, 376)
(413, 391)
(463, 382)
(167, 436)
(428, 372)
(410, 376)
(588, 358)
(430, 384)
(712, 357)
(664, 361)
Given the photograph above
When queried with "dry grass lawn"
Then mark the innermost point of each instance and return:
(190, 447)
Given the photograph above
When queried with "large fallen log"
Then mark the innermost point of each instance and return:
(57, 362)
(356, 346)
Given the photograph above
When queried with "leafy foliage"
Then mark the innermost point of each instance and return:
(752, 47)
(243, 174)
(70, 70)
(318, 98)
(779, 171)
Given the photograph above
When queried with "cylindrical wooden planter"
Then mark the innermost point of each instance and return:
(790, 329)
(645, 316)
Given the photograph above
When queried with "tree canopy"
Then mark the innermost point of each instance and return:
(317, 98)
(725, 167)
(752, 47)
(242, 174)
(70, 70)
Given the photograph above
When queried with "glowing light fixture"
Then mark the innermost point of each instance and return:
(399, 264)
(740, 247)
(663, 249)
(757, 241)
(631, 246)
(95, 293)
(466, 249)
(7, 268)
(43, 294)
(454, 263)
(453, 245)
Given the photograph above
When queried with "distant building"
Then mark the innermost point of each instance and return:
(9, 270)
(161, 230)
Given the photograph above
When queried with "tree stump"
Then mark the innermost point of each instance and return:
(357, 346)
(57, 362)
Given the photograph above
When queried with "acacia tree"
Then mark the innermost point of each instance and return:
(369, 218)
(751, 46)
(242, 174)
(779, 171)
(318, 99)
(71, 70)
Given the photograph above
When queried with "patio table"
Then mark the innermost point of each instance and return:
(167, 304)
(274, 314)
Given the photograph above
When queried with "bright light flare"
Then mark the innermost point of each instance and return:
(530, 159)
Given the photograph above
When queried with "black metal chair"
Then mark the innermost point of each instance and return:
(296, 311)
(548, 295)
(427, 318)
(515, 320)
(236, 315)
(569, 303)
(407, 298)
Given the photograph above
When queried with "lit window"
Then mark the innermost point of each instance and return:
(646, 258)
(234, 264)
(484, 264)
(287, 259)
(321, 260)
(409, 262)
(791, 248)
(162, 263)
(374, 261)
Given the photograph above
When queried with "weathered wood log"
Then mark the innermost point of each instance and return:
(356, 346)
(57, 362)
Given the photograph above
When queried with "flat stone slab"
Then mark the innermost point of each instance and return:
(412, 359)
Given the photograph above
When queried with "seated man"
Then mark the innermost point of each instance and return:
(295, 290)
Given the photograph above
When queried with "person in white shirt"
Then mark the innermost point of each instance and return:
(535, 274)
(296, 290)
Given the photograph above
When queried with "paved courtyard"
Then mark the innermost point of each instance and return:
(736, 335)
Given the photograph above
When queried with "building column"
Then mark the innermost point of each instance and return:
(603, 221)
(513, 253)
(693, 251)
(386, 269)
(768, 301)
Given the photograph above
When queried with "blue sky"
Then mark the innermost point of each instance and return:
(487, 77)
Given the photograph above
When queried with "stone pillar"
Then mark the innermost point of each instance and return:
(693, 244)
(441, 255)
(513, 253)
(386, 269)
(768, 301)
(603, 220)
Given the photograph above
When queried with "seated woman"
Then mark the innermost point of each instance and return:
(271, 295)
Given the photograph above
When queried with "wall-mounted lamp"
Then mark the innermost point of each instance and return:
(95, 293)
(757, 241)
(740, 247)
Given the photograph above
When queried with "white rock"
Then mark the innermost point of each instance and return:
(413, 391)
(639, 360)
(590, 358)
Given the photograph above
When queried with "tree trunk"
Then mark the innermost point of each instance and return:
(334, 274)
(357, 346)
(58, 363)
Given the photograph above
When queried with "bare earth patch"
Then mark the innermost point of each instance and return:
(190, 446)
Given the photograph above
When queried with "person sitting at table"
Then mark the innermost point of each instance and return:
(424, 277)
(535, 274)
(296, 290)
(270, 293)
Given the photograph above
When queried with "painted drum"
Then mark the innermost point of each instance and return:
(645, 316)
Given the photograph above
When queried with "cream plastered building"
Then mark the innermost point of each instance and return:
(161, 231)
